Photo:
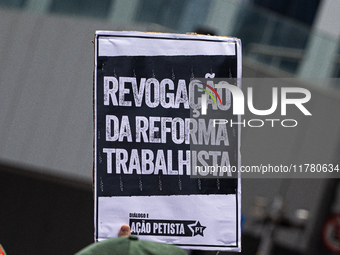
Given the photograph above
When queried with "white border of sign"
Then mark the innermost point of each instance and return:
(105, 45)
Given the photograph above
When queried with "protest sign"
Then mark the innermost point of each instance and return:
(144, 138)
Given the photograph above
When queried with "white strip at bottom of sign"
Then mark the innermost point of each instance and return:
(154, 221)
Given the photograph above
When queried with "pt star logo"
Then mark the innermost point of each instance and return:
(197, 228)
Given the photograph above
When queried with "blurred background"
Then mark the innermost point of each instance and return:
(46, 116)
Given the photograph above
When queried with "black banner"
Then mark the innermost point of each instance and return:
(142, 110)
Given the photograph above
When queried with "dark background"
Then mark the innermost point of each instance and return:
(158, 67)
(41, 214)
